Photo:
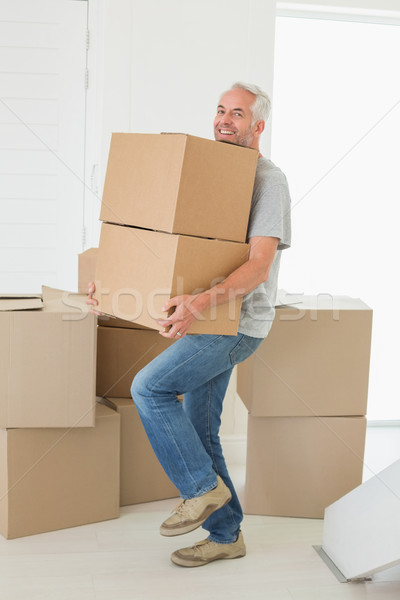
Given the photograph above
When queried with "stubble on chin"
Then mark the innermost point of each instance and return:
(244, 140)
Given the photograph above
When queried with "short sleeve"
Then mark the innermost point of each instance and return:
(270, 214)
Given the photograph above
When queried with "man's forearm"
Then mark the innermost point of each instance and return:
(188, 308)
(239, 283)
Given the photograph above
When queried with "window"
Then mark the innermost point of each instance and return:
(335, 133)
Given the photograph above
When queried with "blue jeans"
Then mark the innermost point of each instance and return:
(185, 437)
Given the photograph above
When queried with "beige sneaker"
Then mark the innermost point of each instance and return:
(206, 551)
(190, 514)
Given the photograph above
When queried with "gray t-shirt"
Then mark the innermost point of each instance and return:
(269, 217)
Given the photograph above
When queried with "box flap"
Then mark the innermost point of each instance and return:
(20, 302)
(55, 300)
(284, 298)
(89, 252)
(323, 301)
(49, 293)
(116, 403)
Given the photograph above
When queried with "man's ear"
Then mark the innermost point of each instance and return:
(259, 128)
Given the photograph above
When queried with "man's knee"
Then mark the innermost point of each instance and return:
(138, 387)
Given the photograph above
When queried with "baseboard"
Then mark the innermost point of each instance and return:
(383, 423)
(234, 447)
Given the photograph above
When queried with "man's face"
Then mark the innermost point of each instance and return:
(234, 117)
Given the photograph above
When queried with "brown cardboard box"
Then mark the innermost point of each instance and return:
(121, 353)
(179, 184)
(296, 466)
(87, 273)
(86, 269)
(47, 363)
(315, 361)
(142, 477)
(139, 270)
(57, 478)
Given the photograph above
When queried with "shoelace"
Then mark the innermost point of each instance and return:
(178, 507)
(202, 543)
(198, 547)
(181, 507)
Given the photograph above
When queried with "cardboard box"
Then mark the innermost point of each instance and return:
(57, 478)
(179, 184)
(315, 361)
(47, 362)
(121, 353)
(142, 477)
(87, 273)
(139, 270)
(86, 269)
(297, 466)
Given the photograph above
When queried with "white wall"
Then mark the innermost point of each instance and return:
(191, 52)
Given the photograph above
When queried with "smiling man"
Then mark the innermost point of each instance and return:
(237, 120)
(185, 436)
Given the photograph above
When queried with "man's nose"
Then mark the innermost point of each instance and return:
(226, 119)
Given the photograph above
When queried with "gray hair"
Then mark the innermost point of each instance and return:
(262, 104)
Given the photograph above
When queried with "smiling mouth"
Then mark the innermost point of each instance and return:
(225, 132)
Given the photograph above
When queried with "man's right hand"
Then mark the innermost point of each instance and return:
(92, 301)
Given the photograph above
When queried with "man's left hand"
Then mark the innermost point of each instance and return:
(183, 317)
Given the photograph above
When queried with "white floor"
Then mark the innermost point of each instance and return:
(126, 559)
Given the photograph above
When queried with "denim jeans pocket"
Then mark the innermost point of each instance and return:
(245, 346)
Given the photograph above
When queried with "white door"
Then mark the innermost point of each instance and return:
(42, 142)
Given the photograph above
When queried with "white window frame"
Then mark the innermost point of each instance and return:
(336, 12)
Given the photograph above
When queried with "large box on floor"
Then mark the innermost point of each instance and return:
(121, 353)
(315, 361)
(139, 270)
(297, 466)
(179, 184)
(142, 477)
(57, 478)
(47, 361)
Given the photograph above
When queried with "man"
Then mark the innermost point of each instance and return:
(185, 437)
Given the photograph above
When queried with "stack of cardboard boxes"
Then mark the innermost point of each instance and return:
(59, 450)
(306, 392)
(121, 352)
(123, 349)
(175, 211)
